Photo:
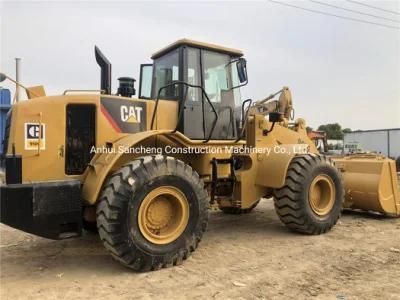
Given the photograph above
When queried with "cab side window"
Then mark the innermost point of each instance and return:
(146, 76)
(166, 70)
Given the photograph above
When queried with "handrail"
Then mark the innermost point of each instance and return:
(183, 105)
(244, 121)
(87, 91)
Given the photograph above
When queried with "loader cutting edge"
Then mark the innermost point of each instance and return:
(371, 183)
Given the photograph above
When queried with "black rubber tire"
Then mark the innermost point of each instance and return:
(119, 205)
(291, 201)
(238, 210)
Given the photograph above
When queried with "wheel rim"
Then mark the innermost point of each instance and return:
(321, 195)
(163, 215)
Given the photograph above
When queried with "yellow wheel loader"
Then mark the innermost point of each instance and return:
(144, 170)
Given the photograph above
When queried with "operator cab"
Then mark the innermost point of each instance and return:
(219, 71)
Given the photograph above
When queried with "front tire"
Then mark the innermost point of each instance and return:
(152, 213)
(311, 200)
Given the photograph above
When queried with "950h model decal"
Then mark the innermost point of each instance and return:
(125, 116)
(35, 133)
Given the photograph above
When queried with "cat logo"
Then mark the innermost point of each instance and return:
(125, 116)
(35, 133)
(131, 114)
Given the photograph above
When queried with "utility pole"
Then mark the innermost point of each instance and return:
(17, 73)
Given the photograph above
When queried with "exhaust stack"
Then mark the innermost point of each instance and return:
(105, 66)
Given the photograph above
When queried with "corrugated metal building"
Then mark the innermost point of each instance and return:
(384, 141)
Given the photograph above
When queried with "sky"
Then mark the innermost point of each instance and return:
(338, 70)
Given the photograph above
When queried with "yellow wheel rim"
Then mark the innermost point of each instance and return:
(163, 215)
(321, 195)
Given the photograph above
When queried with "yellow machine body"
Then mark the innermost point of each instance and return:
(60, 151)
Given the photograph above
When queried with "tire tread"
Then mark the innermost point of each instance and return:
(111, 202)
(287, 199)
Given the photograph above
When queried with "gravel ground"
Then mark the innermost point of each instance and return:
(241, 257)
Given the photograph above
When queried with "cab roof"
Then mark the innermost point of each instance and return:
(196, 44)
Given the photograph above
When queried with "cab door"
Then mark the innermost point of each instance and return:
(209, 70)
(193, 123)
(217, 84)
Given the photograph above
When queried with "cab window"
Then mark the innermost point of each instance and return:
(215, 74)
(146, 74)
(166, 70)
(193, 74)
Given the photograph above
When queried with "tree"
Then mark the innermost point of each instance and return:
(309, 129)
(346, 130)
(333, 131)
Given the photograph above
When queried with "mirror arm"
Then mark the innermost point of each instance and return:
(17, 83)
(239, 86)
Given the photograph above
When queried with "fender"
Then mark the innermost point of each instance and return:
(273, 165)
(262, 172)
(102, 163)
(281, 146)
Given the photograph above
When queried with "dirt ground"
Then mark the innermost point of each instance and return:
(241, 257)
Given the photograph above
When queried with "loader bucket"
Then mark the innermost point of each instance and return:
(370, 183)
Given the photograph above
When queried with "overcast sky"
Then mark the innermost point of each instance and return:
(338, 70)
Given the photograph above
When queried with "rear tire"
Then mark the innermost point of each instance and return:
(311, 200)
(238, 210)
(135, 238)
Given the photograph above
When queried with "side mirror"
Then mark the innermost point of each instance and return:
(2, 77)
(242, 70)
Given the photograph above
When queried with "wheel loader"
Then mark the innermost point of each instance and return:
(144, 170)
